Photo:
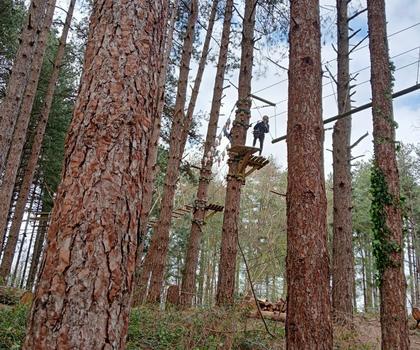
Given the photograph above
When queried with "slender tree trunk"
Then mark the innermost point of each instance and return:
(22, 243)
(36, 148)
(19, 135)
(92, 238)
(142, 277)
(10, 106)
(411, 269)
(364, 282)
(369, 279)
(38, 248)
(385, 187)
(342, 259)
(188, 280)
(28, 252)
(229, 242)
(308, 324)
(159, 245)
(202, 270)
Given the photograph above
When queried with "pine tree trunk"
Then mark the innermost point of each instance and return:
(25, 231)
(36, 148)
(342, 259)
(411, 269)
(82, 299)
(385, 187)
(142, 279)
(28, 252)
(229, 241)
(38, 249)
(308, 324)
(10, 106)
(188, 280)
(158, 249)
(21, 128)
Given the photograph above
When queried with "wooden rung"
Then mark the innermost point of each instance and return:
(214, 207)
(241, 151)
(258, 162)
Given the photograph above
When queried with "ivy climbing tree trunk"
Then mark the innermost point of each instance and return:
(82, 299)
(342, 258)
(386, 207)
(151, 168)
(229, 242)
(33, 158)
(191, 261)
(10, 106)
(308, 323)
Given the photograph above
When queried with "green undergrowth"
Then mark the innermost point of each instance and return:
(12, 326)
(199, 329)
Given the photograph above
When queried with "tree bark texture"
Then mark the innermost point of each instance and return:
(82, 298)
(140, 287)
(342, 262)
(229, 242)
(19, 135)
(392, 284)
(308, 324)
(191, 260)
(33, 158)
(158, 250)
(10, 106)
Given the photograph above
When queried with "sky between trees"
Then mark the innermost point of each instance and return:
(400, 15)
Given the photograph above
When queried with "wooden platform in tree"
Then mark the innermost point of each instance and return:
(210, 209)
(242, 151)
(248, 163)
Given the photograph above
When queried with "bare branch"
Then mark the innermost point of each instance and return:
(331, 75)
(356, 14)
(355, 46)
(278, 65)
(357, 157)
(359, 140)
(355, 33)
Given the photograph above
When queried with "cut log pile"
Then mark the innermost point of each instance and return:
(275, 311)
(13, 296)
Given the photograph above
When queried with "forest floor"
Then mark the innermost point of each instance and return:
(209, 329)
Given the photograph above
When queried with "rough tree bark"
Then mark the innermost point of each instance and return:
(229, 242)
(19, 135)
(140, 287)
(342, 258)
(191, 261)
(156, 256)
(82, 299)
(386, 208)
(308, 324)
(33, 158)
(10, 106)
